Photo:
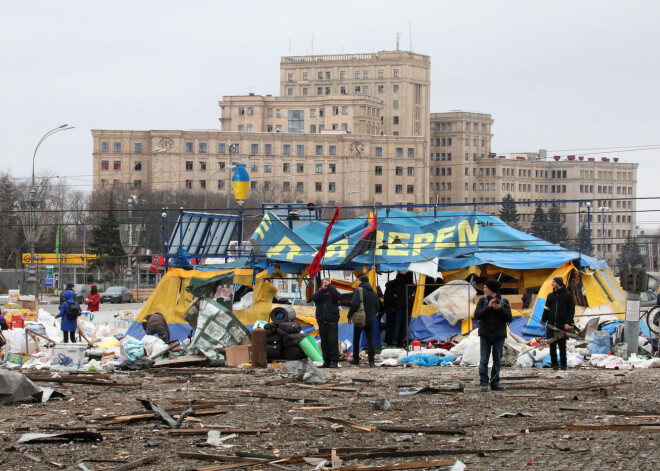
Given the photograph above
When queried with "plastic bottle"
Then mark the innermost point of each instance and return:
(259, 358)
(416, 346)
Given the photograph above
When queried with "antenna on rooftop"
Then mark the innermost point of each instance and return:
(398, 36)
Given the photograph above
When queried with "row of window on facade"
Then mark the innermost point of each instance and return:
(620, 233)
(398, 171)
(605, 175)
(447, 141)
(440, 186)
(398, 189)
(450, 127)
(603, 189)
(326, 75)
(343, 90)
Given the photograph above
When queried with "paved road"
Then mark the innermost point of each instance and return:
(106, 311)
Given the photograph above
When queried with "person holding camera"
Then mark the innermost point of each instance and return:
(493, 313)
(327, 317)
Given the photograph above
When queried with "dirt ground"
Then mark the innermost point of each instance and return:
(470, 420)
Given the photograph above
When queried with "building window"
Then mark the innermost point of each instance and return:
(318, 168)
(221, 166)
(332, 168)
(395, 120)
(300, 168)
(241, 127)
(296, 121)
(268, 149)
(344, 126)
(342, 90)
(331, 187)
(202, 166)
(300, 149)
(379, 170)
(289, 92)
(398, 189)
(342, 74)
(411, 152)
(249, 128)
(202, 147)
(327, 90)
(241, 111)
(395, 88)
(381, 88)
(190, 147)
(312, 128)
(399, 151)
(202, 184)
(222, 148)
(398, 171)
(267, 185)
(138, 147)
(104, 183)
(286, 149)
(105, 147)
(269, 112)
(286, 167)
(221, 184)
(379, 151)
(116, 165)
(344, 110)
(321, 112)
(254, 185)
(278, 113)
(357, 89)
(395, 104)
(254, 148)
(300, 187)
(189, 165)
(332, 150)
(268, 167)
(286, 186)
(411, 171)
(396, 73)
(188, 184)
(254, 167)
(335, 110)
(410, 189)
(116, 147)
(105, 165)
(365, 90)
(379, 188)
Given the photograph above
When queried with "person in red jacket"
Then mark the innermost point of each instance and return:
(93, 299)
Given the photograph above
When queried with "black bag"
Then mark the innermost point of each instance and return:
(73, 312)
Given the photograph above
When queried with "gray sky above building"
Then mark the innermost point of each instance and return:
(570, 77)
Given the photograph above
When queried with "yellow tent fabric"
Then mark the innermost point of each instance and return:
(170, 296)
(546, 287)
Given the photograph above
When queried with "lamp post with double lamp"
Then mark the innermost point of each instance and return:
(131, 229)
(602, 210)
(32, 204)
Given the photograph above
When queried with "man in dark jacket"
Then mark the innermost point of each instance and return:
(327, 316)
(156, 324)
(493, 312)
(364, 295)
(559, 311)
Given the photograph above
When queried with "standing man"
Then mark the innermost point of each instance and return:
(327, 316)
(558, 313)
(364, 296)
(69, 312)
(493, 313)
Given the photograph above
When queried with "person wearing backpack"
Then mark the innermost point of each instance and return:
(364, 307)
(69, 312)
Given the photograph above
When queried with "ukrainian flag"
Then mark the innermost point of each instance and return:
(240, 183)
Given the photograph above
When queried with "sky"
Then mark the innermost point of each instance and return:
(562, 76)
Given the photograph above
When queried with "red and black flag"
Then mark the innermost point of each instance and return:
(315, 266)
(367, 241)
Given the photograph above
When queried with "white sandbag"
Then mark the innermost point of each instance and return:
(470, 347)
(16, 342)
(395, 353)
(454, 301)
(153, 345)
(45, 318)
(525, 361)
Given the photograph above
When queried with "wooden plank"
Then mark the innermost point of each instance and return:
(135, 464)
(429, 430)
(391, 467)
(204, 431)
(364, 428)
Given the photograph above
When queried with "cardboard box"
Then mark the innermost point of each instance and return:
(237, 355)
(31, 304)
(17, 358)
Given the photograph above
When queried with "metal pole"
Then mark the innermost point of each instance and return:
(129, 268)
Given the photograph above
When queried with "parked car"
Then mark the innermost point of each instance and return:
(117, 294)
(647, 300)
(81, 292)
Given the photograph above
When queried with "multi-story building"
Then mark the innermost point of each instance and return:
(354, 128)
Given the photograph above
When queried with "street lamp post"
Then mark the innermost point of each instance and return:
(602, 210)
(227, 169)
(32, 204)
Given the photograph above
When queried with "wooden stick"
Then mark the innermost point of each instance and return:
(429, 430)
(390, 467)
(204, 431)
(364, 428)
(136, 463)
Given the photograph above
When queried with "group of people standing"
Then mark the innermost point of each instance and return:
(492, 313)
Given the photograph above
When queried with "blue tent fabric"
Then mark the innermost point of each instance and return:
(177, 331)
(436, 327)
(457, 239)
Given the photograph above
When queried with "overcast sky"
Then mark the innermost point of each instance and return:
(561, 75)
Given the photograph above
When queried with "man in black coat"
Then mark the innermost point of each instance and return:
(559, 311)
(327, 316)
(493, 312)
(364, 295)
